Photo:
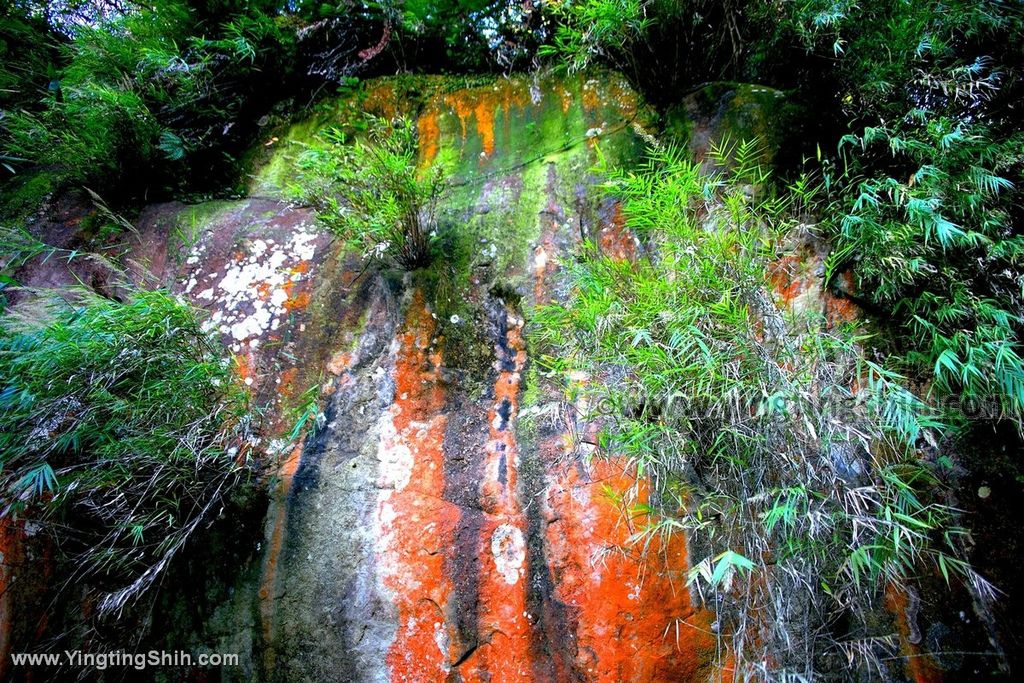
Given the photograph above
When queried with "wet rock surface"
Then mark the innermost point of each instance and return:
(728, 113)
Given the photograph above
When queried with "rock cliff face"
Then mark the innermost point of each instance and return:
(445, 522)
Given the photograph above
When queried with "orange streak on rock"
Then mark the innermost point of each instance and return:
(725, 671)
(297, 302)
(269, 589)
(622, 96)
(591, 100)
(609, 97)
(429, 137)
(782, 275)
(920, 667)
(498, 491)
(482, 105)
(796, 285)
(245, 365)
(414, 524)
(339, 362)
(289, 383)
(840, 309)
(383, 100)
(297, 292)
(635, 619)
(567, 101)
(485, 126)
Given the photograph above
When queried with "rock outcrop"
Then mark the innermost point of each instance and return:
(445, 522)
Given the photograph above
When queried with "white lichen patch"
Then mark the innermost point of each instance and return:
(509, 550)
(250, 295)
(396, 462)
(443, 641)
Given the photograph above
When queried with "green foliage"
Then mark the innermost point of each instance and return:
(667, 47)
(369, 191)
(153, 86)
(718, 571)
(120, 427)
(938, 247)
(306, 414)
(26, 53)
(771, 438)
(889, 57)
(94, 118)
(588, 30)
(469, 35)
(926, 208)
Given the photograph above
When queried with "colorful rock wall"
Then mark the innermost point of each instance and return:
(440, 524)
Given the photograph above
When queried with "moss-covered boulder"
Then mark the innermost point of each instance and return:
(726, 111)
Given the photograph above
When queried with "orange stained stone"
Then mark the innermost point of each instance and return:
(382, 99)
(622, 96)
(287, 387)
(505, 622)
(268, 585)
(297, 293)
(416, 527)
(414, 524)
(339, 362)
(788, 277)
(591, 101)
(505, 625)
(724, 671)
(840, 309)
(920, 666)
(499, 490)
(635, 618)
(245, 364)
(429, 137)
(297, 302)
(632, 616)
(783, 278)
(482, 105)
(567, 101)
(485, 126)
(616, 240)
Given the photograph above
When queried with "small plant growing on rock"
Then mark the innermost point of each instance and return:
(371, 193)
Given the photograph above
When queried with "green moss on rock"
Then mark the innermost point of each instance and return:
(732, 111)
(24, 195)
